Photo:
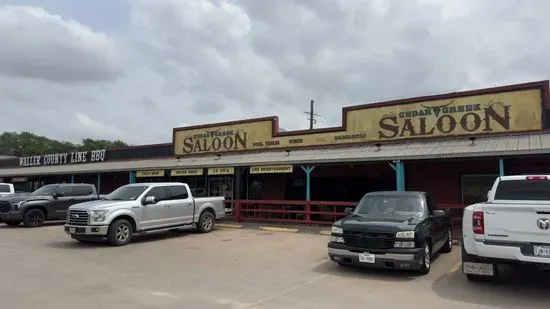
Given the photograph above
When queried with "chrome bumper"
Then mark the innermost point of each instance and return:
(386, 256)
(88, 230)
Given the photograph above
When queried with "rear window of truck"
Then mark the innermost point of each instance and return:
(532, 190)
(4, 188)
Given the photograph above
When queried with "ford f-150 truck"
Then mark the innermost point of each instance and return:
(49, 202)
(142, 208)
(511, 227)
(401, 230)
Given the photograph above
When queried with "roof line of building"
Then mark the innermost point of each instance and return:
(512, 145)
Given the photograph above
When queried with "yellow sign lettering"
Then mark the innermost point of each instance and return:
(276, 169)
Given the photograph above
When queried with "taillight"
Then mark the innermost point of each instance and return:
(478, 223)
(536, 178)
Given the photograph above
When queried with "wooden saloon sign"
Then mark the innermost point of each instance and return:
(515, 108)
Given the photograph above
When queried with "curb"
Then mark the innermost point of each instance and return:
(229, 226)
(278, 229)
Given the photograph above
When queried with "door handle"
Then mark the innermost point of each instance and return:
(167, 206)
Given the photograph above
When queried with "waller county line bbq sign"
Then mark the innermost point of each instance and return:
(64, 158)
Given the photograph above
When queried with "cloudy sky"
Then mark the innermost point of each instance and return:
(134, 69)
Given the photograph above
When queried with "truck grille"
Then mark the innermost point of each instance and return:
(5, 207)
(369, 240)
(78, 217)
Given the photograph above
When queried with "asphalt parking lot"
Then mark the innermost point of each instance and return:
(231, 268)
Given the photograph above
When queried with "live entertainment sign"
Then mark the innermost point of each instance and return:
(76, 157)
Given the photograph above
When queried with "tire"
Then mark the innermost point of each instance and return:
(12, 223)
(120, 233)
(206, 222)
(448, 247)
(34, 218)
(426, 259)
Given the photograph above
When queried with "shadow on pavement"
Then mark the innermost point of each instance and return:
(331, 268)
(21, 226)
(520, 287)
(138, 239)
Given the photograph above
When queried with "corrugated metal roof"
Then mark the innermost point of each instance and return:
(533, 143)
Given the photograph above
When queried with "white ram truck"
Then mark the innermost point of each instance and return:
(512, 227)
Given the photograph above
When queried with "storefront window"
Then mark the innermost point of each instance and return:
(476, 187)
(221, 186)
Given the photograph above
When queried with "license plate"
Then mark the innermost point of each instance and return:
(543, 251)
(72, 230)
(366, 258)
(481, 269)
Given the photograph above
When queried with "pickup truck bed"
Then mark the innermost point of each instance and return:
(512, 227)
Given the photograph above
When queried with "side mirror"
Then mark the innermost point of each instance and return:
(348, 211)
(438, 213)
(149, 200)
(56, 195)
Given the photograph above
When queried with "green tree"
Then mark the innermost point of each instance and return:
(29, 144)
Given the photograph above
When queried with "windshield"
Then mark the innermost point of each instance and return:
(45, 190)
(390, 206)
(126, 193)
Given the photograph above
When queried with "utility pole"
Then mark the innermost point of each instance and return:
(311, 115)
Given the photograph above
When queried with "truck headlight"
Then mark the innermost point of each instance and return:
(336, 230)
(339, 239)
(17, 205)
(406, 235)
(98, 215)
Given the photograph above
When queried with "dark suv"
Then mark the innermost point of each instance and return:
(49, 202)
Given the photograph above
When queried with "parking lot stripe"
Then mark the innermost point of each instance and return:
(230, 226)
(278, 229)
(326, 233)
(455, 268)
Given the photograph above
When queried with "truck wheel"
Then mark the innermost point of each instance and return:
(34, 218)
(206, 222)
(12, 223)
(426, 259)
(120, 232)
(448, 247)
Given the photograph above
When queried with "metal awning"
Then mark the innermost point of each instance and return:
(509, 145)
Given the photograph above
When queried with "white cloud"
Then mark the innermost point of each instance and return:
(197, 61)
(36, 44)
(85, 125)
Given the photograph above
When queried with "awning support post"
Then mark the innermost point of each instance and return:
(501, 167)
(98, 183)
(132, 176)
(72, 178)
(308, 169)
(399, 168)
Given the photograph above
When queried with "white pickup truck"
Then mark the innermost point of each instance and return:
(512, 227)
(6, 189)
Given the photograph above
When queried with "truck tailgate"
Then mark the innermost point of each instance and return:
(526, 221)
